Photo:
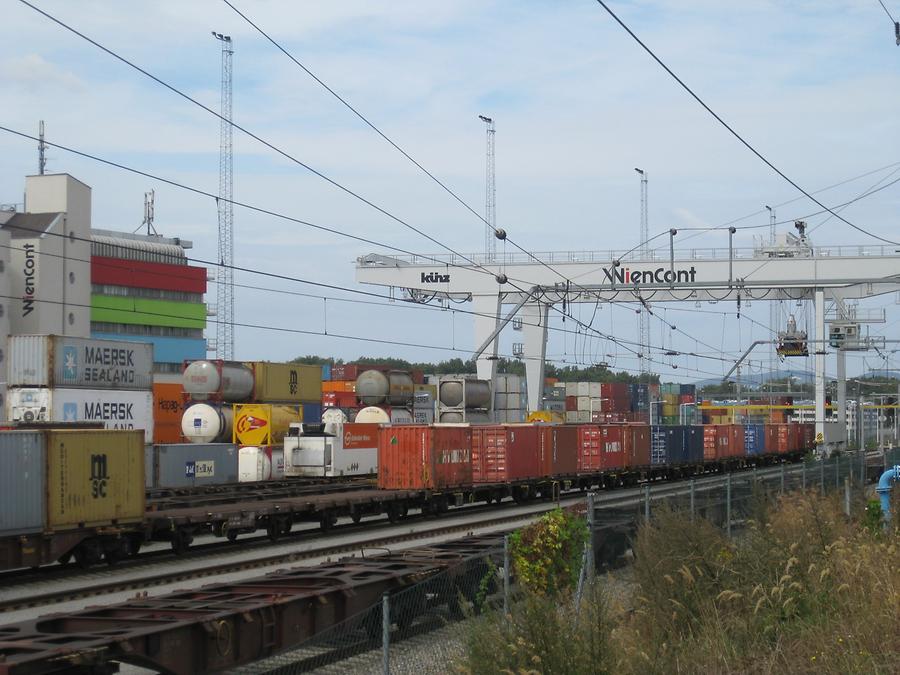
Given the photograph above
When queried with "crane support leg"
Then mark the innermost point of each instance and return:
(535, 315)
(487, 323)
(842, 395)
(821, 337)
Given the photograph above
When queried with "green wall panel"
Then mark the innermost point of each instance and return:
(147, 312)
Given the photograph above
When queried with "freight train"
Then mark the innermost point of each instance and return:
(80, 493)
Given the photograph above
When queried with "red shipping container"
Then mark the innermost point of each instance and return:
(339, 399)
(601, 447)
(564, 450)
(638, 446)
(421, 456)
(777, 438)
(686, 398)
(345, 371)
(571, 403)
(709, 443)
(808, 436)
(729, 441)
(505, 452)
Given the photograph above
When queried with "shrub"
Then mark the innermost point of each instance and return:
(546, 556)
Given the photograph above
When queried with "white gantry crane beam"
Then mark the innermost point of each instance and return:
(792, 271)
(490, 190)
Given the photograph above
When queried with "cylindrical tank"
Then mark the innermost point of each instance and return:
(394, 387)
(401, 416)
(372, 387)
(476, 393)
(467, 417)
(333, 419)
(207, 379)
(253, 422)
(372, 415)
(203, 423)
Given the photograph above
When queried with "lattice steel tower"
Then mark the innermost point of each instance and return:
(225, 278)
(490, 193)
(643, 315)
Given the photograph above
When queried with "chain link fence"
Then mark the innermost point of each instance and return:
(418, 631)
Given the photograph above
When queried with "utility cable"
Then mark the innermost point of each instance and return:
(731, 129)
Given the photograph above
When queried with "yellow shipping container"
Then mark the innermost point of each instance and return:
(287, 382)
(430, 388)
(94, 478)
(263, 423)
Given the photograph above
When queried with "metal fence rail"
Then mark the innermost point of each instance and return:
(418, 629)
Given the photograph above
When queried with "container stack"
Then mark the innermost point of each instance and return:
(554, 398)
(55, 378)
(510, 399)
(669, 395)
(339, 388)
(354, 387)
(463, 399)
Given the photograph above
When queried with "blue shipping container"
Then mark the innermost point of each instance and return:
(693, 443)
(754, 439)
(312, 413)
(326, 372)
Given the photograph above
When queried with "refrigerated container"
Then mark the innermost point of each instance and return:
(122, 410)
(348, 450)
(259, 463)
(59, 361)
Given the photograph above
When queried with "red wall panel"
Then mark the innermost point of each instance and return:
(140, 274)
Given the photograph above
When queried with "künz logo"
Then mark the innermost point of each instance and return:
(435, 278)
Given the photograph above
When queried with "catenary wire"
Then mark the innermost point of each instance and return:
(734, 133)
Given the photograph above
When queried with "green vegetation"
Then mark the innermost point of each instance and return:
(546, 556)
(510, 366)
(803, 589)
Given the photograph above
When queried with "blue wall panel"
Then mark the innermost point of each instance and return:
(165, 349)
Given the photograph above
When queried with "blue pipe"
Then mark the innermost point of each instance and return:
(884, 490)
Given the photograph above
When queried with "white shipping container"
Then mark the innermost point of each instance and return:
(583, 416)
(116, 409)
(328, 456)
(583, 389)
(571, 416)
(595, 389)
(60, 361)
(571, 389)
(584, 403)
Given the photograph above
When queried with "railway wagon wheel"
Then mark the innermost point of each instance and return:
(182, 538)
(88, 553)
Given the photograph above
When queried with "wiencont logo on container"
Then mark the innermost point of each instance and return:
(661, 275)
(30, 265)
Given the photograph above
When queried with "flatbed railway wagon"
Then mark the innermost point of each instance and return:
(70, 493)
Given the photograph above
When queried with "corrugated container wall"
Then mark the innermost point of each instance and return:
(192, 464)
(424, 457)
(286, 382)
(168, 407)
(22, 482)
(60, 361)
(94, 478)
(505, 453)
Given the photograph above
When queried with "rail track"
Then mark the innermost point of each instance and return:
(165, 569)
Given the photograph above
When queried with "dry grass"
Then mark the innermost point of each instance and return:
(803, 590)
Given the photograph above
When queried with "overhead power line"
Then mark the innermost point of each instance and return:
(731, 130)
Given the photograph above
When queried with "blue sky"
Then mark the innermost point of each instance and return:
(814, 85)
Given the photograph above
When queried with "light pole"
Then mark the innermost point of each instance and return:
(591, 406)
(682, 417)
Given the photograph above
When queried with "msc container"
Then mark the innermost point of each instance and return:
(193, 464)
(22, 460)
(505, 453)
(204, 380)
(424, 457)
(754, 439)
(122, 410)
(286, 382)
(94, 478)
(58, 361)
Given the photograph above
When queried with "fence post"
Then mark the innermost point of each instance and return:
(647, 502)
(728, 505)
(506, 575)
(692, 499)
(803, 473)
(782, 478)
(385, 634)
(837, 472)
(822, 475)
(847, 495)
(590, 520)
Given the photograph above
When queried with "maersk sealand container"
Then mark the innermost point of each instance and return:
(63, 362)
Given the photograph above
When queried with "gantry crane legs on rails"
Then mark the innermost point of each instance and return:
(790, 269)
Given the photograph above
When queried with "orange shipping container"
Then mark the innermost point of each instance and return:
(419, 456)
(338, 385)
(167, 411)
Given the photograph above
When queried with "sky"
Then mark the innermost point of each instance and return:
(577, 104)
